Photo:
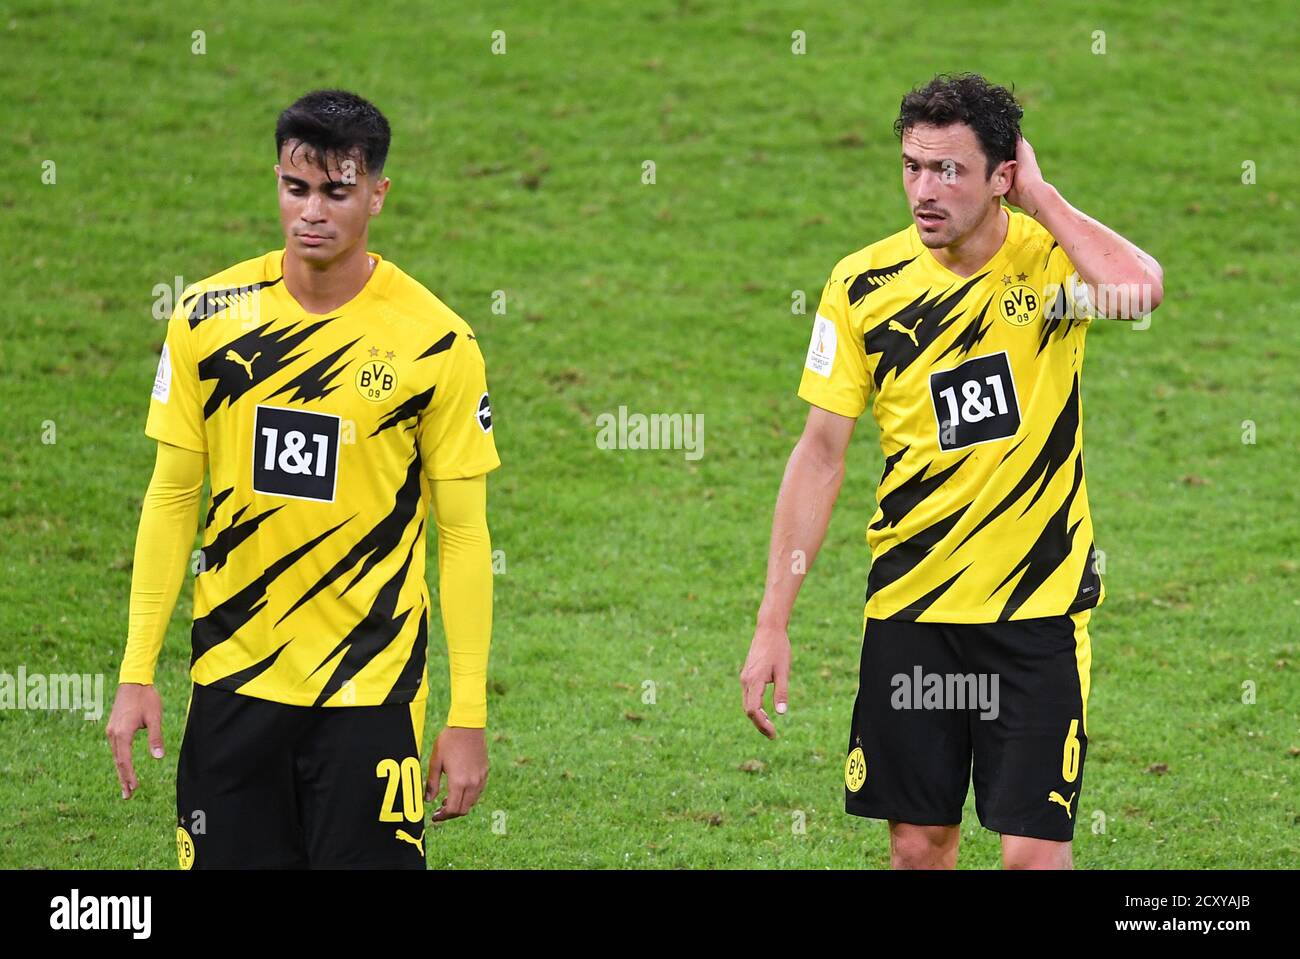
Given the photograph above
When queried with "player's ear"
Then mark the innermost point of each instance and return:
(377, 198)
(1004, 177)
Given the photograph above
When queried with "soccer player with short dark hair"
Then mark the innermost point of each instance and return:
(334, 399)
(965, 331)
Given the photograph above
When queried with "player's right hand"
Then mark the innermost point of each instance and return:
(135, 707)
(768, 663)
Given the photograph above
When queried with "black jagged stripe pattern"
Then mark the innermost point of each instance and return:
(971, 336)
(901, 500)
(218, 551)
(214, 301)
(369, 637)
(316, 382)
(265, 352)
(225, 619)
(215, 504)
(442, 346)
(904, 557)
(870, 280)
(1050, 550)
(1058, 446)
(408, 409)
(242, 677)
(378, 542)
(926, 318)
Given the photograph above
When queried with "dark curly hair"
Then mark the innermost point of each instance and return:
(338, 124)
(991, 111)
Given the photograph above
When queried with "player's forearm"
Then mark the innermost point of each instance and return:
(1115, 268)
(168, 518)
(803, 511)
(465, 594)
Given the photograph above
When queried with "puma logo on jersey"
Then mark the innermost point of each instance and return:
(1055, 797)
(900, 328)
(246, 364)
(405, 836)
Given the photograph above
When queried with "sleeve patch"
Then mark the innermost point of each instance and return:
(1080, 297)
(821, 349)
(162, 381)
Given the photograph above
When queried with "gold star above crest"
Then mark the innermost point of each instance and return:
(1006, 280)
(1022, 277)
(390, 355)
(374, 351)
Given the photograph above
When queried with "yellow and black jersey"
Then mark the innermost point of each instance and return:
(323, 432)
(982, 508)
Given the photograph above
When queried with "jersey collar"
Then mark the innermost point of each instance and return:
(375, 285)
(1009, 243)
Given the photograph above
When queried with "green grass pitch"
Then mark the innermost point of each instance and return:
(522, 173)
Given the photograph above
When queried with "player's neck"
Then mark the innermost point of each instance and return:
(978, 247)
(321, 289)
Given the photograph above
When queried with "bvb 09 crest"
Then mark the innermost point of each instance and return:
(1019, 304)
(184, 848)
(855, 770)
(376, 380)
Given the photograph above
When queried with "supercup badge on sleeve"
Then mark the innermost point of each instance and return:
(821, 349)
(162, 380)
(1081, 297)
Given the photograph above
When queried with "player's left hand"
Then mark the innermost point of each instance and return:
(462, 753)
(1028, 181)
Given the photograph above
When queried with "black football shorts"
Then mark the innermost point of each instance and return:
(265, 785)
(1009, 699)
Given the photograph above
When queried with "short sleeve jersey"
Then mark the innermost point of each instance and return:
(982, 509)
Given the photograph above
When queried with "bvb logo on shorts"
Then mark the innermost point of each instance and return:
(376, 380)
(1019, 304)
(855, 770)
(184, 848)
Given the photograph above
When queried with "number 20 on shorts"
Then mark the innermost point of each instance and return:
(404, 778)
